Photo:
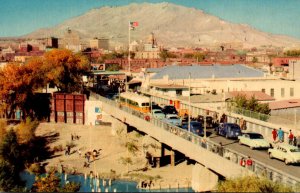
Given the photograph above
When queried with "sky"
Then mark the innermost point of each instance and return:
(19, 17)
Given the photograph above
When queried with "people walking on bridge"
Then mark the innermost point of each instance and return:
(280, 135)
(220, 149)
(249, 163)
(291, 137)
(243, 162)
(274, 135)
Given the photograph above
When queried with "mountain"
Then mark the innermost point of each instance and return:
(173, 25)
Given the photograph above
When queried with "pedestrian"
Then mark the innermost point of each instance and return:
(69, 149)
(249, 163)
(72, 137)
(274, 135)
(242, 162)
(220, 149)
(280, 135)
(291, 137)
(295, 141)
(79, 152)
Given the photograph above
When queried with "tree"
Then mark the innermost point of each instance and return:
(164, 54)
(199, 56)
(241, 102)
(26, 130)
(51, 183)
(3, 125)
(252, 184)
(113, 67)
(65, 69)
(11, 162)
(292, 53)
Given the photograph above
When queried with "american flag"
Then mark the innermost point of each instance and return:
(133, 24)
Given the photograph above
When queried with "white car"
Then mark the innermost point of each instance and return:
(173, 119)
(287, 153)
(253, 140)
(157, 113)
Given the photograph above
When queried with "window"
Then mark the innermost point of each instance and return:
(263, 90)
(178, 92)
(272, 92)
(291, 92)
(282, 92)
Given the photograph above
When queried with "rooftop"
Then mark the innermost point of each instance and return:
(284, 104)
(204, 72)
(260, 96)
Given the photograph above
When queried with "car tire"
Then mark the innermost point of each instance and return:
(270, 155)
(286, 162)
(251, 147)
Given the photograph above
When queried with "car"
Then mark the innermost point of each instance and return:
(209, 120)
(156, 106)
(173, 119)
(253, 140)
(287, 153)
(156, 113)
(229, 130)
(169, 109)
(195, 127)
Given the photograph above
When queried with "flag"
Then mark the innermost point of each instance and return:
(133, 24)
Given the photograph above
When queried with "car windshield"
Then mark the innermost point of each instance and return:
(255, 136)
(158, 112)
(196, 125)
(173, 118)
(295, 150)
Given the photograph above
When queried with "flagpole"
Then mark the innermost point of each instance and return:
(129, 26)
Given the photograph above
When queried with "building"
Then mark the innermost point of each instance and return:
(101, 43)
(147, 55)
(222, 78)
(52, 42)
(71, 41)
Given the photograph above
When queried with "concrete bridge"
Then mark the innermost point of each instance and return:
(196, 148)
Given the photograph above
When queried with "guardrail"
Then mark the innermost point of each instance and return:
(257, 167)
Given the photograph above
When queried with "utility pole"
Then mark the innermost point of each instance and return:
(189, 120)
(129, 28)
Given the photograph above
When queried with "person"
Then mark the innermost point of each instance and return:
(280, 135)
(72, 137)
(295, 141)
(79, 152)
(249, 163)
(69, 149)
(86, 165)
(243, 162)
(220, 149)
(274, 135)
(291, 137)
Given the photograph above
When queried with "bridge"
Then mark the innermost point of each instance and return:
(202, 150)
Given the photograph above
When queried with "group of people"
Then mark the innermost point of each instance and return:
(280, 135)
(74, 137)
(246, 162)
(91, 155)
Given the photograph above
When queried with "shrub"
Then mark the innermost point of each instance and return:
(36, 169)
(251, 184)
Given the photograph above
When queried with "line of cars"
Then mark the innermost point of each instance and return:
(287, 153)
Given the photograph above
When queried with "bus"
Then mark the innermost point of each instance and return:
(135, 101)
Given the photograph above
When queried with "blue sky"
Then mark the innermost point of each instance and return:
(19, 17)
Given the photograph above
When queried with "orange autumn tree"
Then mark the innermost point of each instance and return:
(65, 69)
(18, 82)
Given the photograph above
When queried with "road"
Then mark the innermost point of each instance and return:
(260, 155)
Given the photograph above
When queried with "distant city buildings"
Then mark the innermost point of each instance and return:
(99, 43)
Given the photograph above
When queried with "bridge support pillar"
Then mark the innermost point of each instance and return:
(157, 162)
(172, 157)
(203, 180)
(163, 150)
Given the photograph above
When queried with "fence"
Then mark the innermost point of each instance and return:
(257, 167)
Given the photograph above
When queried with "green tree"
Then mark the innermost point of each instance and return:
(252, 184)
(241, 102)
(164, 54)
(113, 67)
(11, 162)
(292, 53)
(199, 56)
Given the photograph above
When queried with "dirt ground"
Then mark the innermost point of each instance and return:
(112, 149)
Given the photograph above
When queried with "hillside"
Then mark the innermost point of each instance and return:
(173, 25)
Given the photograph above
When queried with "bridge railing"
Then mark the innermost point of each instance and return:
(257, 167)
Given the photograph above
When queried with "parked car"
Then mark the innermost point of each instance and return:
(229, 130)
(253, 140)
(173, 119)
(287, 153)
(156, 106)
(169, 109)
(157, 113)
(209, 120)
(195, 127)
